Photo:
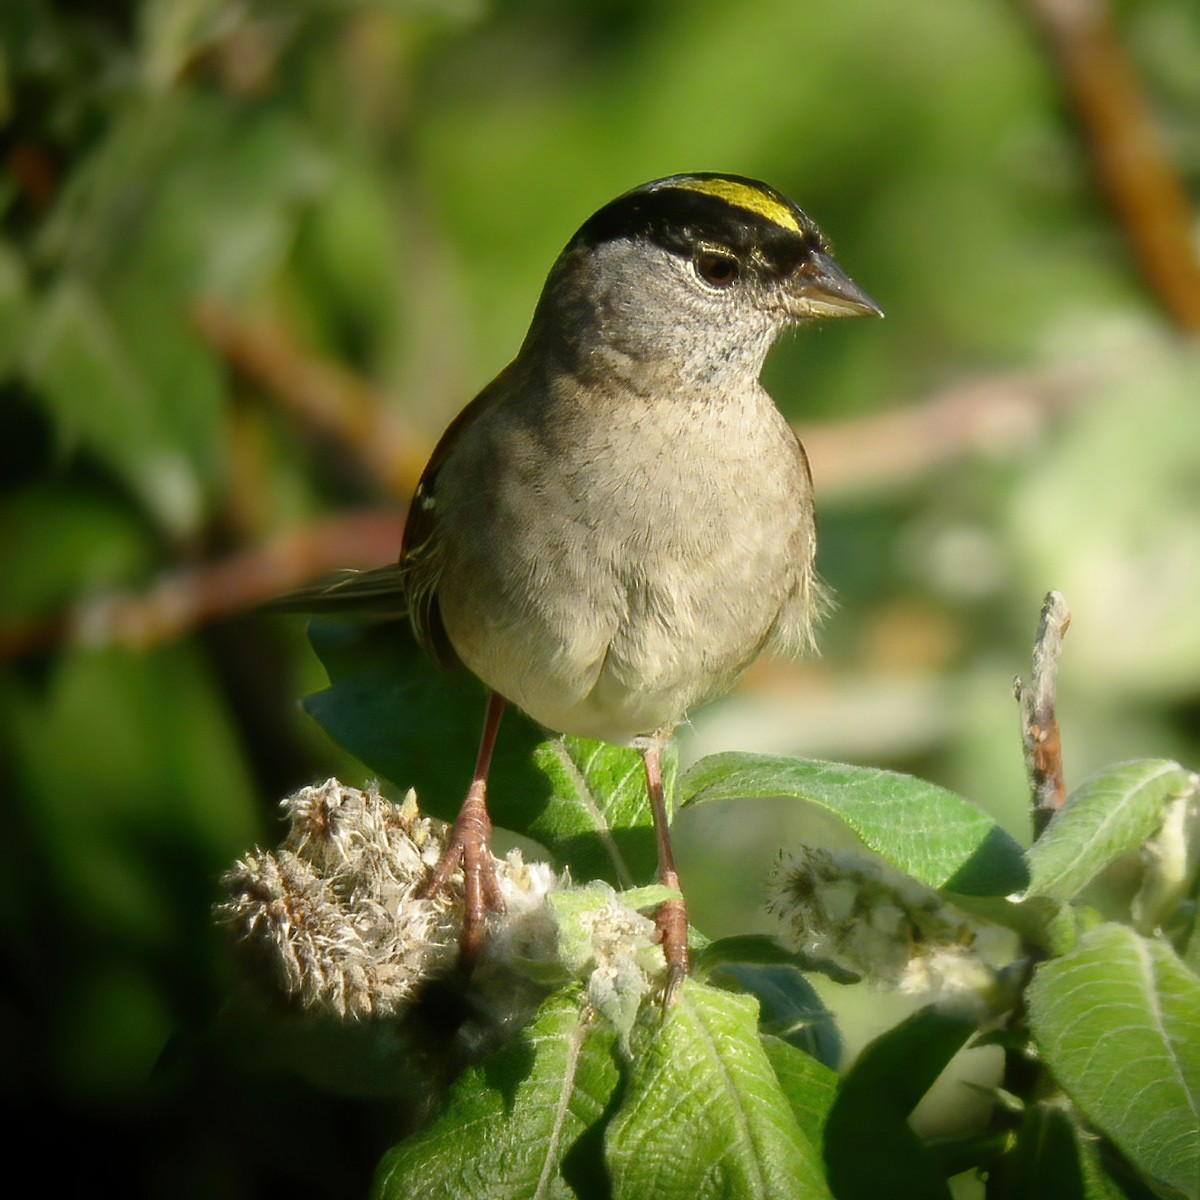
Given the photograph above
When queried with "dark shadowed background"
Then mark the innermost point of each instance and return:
(253, 258)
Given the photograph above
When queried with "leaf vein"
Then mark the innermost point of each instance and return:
(593, 810)
(562, 1108)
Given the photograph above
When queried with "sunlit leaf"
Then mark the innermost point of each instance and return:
(704, 1115)
(926, 831)
(419, 727)
(1108, 815)
(809, 1085)
(598, 818)
(513, 1122)
(1118, 1022)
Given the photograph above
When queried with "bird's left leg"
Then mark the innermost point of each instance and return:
(470, 846)
(672, 914)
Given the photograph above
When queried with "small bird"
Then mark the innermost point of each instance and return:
(621, 522)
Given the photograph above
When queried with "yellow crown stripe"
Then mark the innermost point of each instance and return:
(742, 195)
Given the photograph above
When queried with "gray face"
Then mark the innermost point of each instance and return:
(637, 301)
(688, 281)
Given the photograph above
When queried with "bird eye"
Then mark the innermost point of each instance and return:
(716, 269)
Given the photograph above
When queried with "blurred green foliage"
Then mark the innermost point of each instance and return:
(390, 182)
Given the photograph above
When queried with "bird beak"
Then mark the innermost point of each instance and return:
(823, 289)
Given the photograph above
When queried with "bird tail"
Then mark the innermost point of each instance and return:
(379, 592)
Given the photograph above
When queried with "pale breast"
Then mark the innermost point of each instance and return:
(608, 580)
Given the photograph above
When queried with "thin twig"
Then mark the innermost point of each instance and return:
(187, 598)
(1129, 155)
(988, 417)
(875, 452)
(1039, 726)
(321, 394)
(878, 451)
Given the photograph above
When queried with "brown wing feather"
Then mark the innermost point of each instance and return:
(409, 586)
(378, 592)
(420, 548)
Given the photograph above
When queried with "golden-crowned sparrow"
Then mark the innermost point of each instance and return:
(622, 521)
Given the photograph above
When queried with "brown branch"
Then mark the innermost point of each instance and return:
(33, 171)
(1129, 155)
(880, 451)
(186, 599)
(1039, 726)
(986, 417)
(321, 394)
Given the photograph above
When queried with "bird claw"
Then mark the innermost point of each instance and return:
(470, 847)
(672, 923)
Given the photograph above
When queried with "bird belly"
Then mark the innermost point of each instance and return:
(632, 586)
(618, 639)
(618, 679)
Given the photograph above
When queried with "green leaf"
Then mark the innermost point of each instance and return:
(137, 234)
(1118, 1022)
(763, 950)
(140, 212)
(791, 1008)
(1047, 925)
(810, 1086)
(1191, 942)
(881, 1089)
(926, 831)
(704, 1114)
(651, 896)
(1054, 1157)
(94, 382)
(1043, 1163)
(742, 948)
(512, 1121)
(1106, 1176)
(1170, 868)
(1108, 815)
(598, 817)
(419, 726)
(61, 542)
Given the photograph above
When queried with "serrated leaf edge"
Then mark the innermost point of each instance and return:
(1147, 985)
(1151, 983)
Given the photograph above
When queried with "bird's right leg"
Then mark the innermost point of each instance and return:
(470, 846)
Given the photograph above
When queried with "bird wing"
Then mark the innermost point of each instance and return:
(408, 587)
(379, 592)
(421, 549)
